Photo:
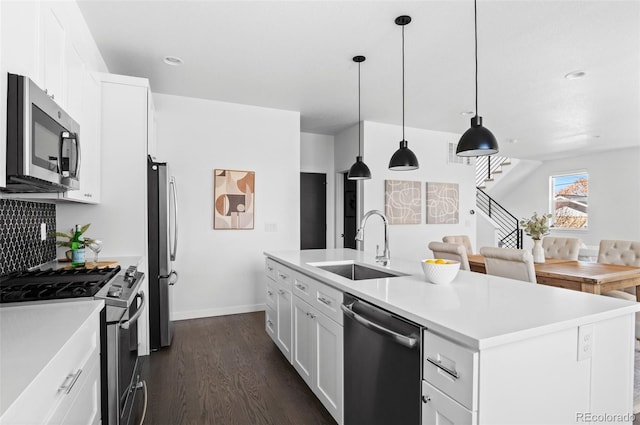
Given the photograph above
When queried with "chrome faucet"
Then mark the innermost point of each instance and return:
(385, 257)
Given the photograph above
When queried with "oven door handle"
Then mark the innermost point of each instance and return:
(125, 325)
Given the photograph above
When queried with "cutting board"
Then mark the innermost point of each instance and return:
(91, 264)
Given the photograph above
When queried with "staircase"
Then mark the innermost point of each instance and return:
(508, 226)
(487, 167)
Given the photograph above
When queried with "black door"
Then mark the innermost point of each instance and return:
(349, 212)
(313, 211)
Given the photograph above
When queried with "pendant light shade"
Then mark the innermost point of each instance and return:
(478, 140)
(403, 159)
(359, 170)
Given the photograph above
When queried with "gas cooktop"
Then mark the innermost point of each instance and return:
(54, 284)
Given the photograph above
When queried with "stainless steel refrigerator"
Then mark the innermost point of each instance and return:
(163, 242)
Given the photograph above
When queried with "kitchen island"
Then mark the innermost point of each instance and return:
(538, 354)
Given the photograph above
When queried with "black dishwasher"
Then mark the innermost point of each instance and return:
(381, 366)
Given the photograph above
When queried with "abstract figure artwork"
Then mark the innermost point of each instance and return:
(403, 202)
(233, 199)
(442, 203)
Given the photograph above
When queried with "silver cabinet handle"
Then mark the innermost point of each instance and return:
(270, 293)
(281, 291)
(311, 315)
(283, 276)
(270, 322)
(426, 399)
(409, 341)
(438, 364)
(270, 268)
(301, 287)
(67, 387)
(324, 301)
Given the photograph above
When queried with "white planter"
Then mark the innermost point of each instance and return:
(538, 251)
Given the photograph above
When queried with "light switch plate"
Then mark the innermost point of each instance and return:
(43, 231)
(585, 341)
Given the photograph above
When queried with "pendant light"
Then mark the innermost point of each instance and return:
(403, 159)
(478, 140)
(359, 170)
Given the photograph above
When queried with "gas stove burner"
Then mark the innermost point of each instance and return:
(54, 284)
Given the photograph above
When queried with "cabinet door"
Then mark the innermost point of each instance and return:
(90, 133)
(270, 322)
(283, 322)
(439, 409)
(329, 364)
(75, 83)
(52, 55)
(303, 355)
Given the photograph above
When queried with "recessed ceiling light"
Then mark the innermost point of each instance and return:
(575, 75)
(173, 60)
(467, 113)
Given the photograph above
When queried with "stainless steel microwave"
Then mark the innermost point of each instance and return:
(43, 145)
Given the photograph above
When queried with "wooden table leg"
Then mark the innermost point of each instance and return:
(590, 288)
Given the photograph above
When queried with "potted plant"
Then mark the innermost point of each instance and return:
(537, 227)
(68, 237)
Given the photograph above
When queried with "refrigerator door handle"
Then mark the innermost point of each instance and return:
(174, 248)
(173, 274)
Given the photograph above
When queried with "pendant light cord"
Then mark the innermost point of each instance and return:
(359, 125)
(475, 26)
(403, 82)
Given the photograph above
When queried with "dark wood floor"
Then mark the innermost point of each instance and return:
(226, 370)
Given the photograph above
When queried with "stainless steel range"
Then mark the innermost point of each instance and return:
(120, 290)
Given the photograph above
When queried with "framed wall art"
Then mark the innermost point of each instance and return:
(403, 201)
(443, 203)
(233, 199)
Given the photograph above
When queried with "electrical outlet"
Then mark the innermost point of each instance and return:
(585, 341)
(43, 231)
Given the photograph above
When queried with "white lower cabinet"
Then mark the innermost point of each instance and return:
(439, 409)
(307, 331)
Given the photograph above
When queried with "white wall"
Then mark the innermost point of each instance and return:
(614, 194)
(431, 148)
(316, 156)
(221, 271)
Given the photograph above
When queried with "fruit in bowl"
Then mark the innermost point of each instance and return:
(440, 271)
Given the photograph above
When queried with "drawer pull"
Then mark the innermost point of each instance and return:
(438, 364)
(270, 293)
(281, 291)
(270, 323)
(270, 268)
(426, 399)
(74, 378)
(324, 301)
(283, 276)
(300, 287)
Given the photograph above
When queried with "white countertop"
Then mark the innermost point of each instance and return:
(475, 309)
(31, 335)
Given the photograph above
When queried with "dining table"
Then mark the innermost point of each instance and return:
(585, 276)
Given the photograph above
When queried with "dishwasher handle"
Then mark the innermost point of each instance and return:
(409, 341)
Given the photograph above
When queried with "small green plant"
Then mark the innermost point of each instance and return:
(536, 226)
(68, 237)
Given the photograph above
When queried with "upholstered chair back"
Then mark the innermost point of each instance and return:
(563, 248)
(450, 251)
(625, 253)
(512, 263)
(460, 239)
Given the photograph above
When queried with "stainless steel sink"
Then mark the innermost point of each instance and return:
(356, 271)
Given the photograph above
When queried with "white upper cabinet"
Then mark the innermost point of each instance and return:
(75, 83)
(52, 54)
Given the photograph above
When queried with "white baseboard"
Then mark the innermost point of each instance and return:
(212, 312)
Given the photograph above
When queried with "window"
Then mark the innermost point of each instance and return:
(569, 200)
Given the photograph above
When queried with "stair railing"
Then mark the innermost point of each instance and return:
(487, 166)
(509, 230)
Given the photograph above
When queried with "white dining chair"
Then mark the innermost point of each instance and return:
(450, 251)
(512, 263)
(561, 248)
(460, 239)
(624, 253)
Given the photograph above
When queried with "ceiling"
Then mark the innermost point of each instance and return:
(297, 55)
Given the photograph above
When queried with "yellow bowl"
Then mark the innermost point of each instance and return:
(440, 274)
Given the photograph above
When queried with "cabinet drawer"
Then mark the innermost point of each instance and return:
(327, 300)
(304, 287)
(270, 268)
(270, 322)
(49, 387)
(438, 409)
(284, 277)
(82, 404)
(452, 368)
(272, 294)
